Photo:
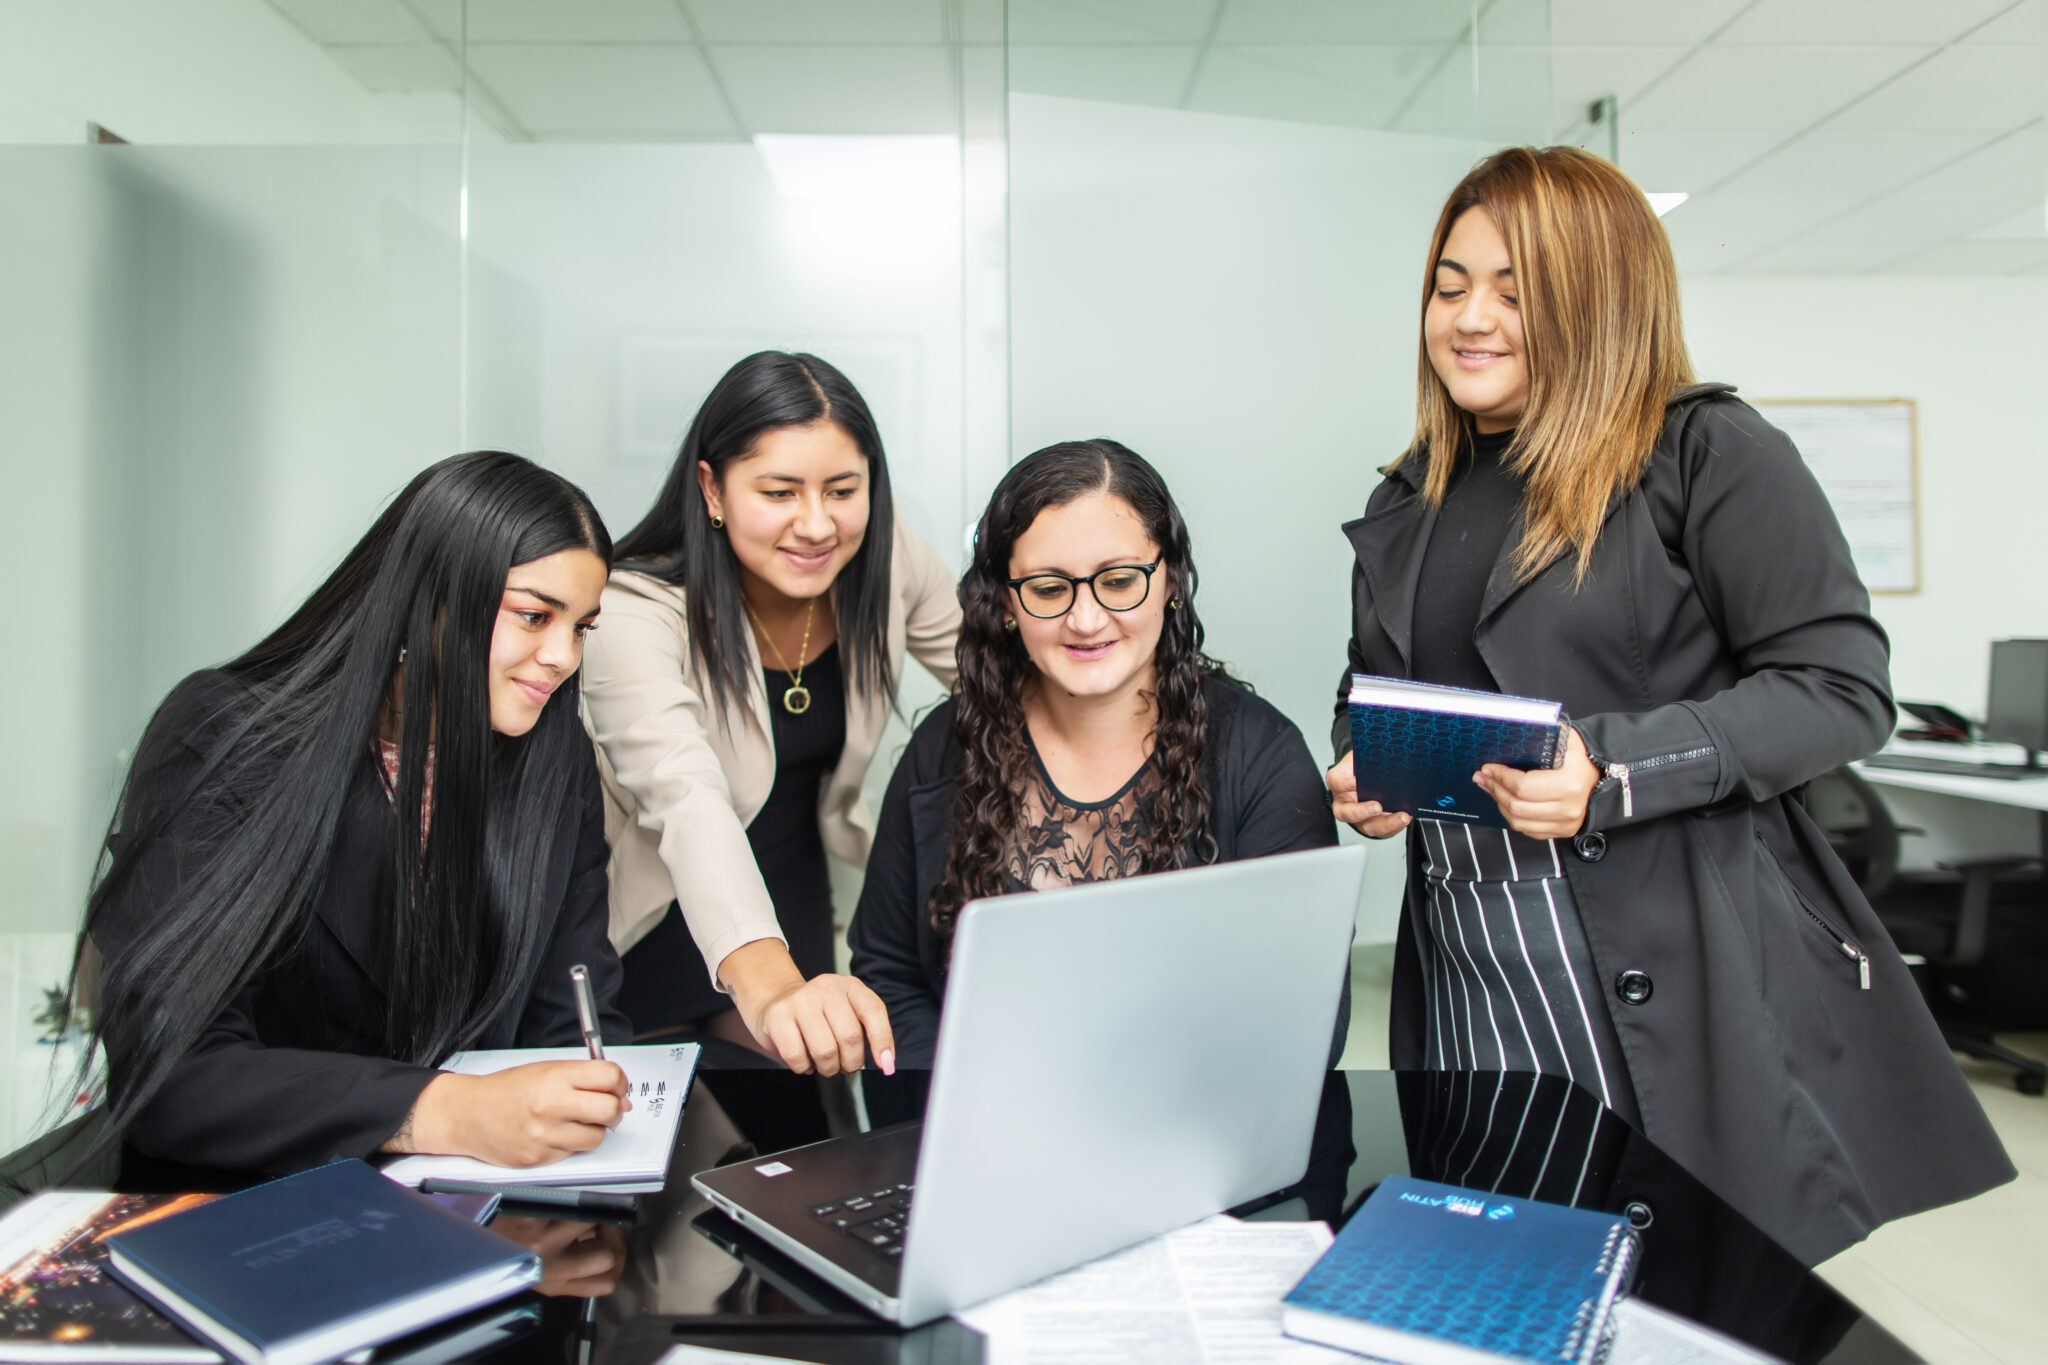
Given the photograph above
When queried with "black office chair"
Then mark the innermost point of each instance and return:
(1941, 922)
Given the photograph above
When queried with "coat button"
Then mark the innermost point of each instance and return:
(1634, 987)
(1590, 847)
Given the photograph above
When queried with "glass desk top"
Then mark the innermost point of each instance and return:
(679, 1272)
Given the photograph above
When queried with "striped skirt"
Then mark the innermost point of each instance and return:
(1508, 980)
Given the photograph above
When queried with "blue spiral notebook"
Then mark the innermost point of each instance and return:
(1432, 1274)
(1415, 745)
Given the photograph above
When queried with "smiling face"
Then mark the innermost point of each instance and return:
(1472, 326)
(795, 508)
(537, 641)
(1090, 651)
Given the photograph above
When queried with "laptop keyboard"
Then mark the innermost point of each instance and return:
(875, 1219)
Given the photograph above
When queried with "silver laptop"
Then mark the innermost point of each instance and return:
(1114, 1060)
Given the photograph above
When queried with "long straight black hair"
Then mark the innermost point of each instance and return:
(676, 542)
(423, 586)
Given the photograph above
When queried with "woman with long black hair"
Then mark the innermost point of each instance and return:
(1661, 923)
(1090, 738)
(374, 839)
(754, 633)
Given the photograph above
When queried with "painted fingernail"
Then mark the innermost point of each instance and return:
(886, 1060)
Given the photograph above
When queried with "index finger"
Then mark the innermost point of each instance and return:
(874, 1017)
(595, 1075)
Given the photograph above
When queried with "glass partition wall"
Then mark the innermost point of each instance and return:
(268, 258)
(265, 259)
(1219, 213)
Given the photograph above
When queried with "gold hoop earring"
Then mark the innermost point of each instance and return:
(717, 522)
(1009, 623)
(1173, 603)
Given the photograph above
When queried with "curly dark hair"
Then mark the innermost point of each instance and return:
(988, 717)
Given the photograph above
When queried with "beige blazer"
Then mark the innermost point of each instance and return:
(681, 783)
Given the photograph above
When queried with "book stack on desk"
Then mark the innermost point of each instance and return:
(1432, 1274)
(316, 1266)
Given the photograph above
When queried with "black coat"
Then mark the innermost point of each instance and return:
(1723, 647)
(287, 1076)
(1266, 796)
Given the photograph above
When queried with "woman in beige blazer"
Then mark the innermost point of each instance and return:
(754, 632)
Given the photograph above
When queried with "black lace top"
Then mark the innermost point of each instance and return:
(1064, 842)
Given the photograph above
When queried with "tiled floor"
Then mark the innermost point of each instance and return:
(1962, 1285)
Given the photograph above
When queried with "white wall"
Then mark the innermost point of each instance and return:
(207, 72)
(1237, 300)
(1973, 352)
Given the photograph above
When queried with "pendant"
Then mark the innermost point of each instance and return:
(797, 700)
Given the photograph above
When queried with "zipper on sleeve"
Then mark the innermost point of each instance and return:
(1625, 772)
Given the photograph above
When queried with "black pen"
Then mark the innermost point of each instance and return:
(548, 1196)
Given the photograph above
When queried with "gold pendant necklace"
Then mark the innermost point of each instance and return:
(797, 699)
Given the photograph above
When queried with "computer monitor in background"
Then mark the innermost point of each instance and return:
(2016, 711)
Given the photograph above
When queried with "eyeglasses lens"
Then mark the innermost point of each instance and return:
(1115, 589)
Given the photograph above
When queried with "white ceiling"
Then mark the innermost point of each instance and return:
(1814, 136)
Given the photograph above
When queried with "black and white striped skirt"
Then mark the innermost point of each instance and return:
(1508, 980)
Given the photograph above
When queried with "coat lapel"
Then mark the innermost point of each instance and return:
(1389, 545)
(1503, 585)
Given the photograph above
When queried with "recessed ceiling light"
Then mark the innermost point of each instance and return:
(1662, 204)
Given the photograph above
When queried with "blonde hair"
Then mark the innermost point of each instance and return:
(1600, 333)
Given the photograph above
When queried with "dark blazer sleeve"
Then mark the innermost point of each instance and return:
(231, 1101)
(1773, 569)
(580, 935)
(890, 936)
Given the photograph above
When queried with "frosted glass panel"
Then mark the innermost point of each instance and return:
(347, 240)
(1218, 220)
(217, 364)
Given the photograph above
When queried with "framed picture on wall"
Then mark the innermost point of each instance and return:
(1865, 452)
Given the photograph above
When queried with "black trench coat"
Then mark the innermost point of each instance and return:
(1722, 647)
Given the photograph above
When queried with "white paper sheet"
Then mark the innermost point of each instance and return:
(632, 1158)
(1206, 1294)
(1647, 1335)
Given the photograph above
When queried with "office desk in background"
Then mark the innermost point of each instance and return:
(1960, 816)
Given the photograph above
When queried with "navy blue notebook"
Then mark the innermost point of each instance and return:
(1415, 746)
(317, 1265)
(1436, 1275)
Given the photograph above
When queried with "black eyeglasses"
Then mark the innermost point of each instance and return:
(1120, 587)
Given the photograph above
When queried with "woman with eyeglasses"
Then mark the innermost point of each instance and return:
(1090, 737)
(755, 629)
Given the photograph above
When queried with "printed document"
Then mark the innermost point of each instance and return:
(1206, 1294)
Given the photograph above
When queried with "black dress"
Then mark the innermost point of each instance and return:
(668, 987)
(1507, 975)
(665, 974)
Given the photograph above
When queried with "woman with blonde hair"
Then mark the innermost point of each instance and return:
(1577, 519)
